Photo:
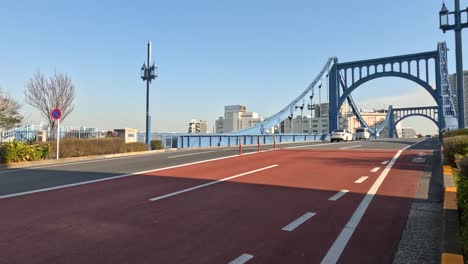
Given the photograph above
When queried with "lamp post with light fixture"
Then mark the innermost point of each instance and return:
(457, 26)
(148, 73)
(302, 115)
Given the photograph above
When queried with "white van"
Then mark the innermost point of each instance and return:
(362, 133)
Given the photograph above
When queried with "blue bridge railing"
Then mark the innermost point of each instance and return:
(179, 140)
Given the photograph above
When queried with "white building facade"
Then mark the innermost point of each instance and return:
(235, 118)
(197, 126)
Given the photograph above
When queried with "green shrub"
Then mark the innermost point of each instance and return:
(75, 147)
(156, 144)
(455, 133)
(17, 151)
(455, 147)
(461, 179)
(134, 147)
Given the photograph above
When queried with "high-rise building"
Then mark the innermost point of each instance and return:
(453, 85)
(235, 118)
(197, 126)
(219, 125)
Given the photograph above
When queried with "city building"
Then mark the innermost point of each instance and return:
(236, 118)
(453, 85)
(319, 122)
(408, 133)
(197, 126)
(219, 125)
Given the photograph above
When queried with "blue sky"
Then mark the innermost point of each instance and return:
(258, 53)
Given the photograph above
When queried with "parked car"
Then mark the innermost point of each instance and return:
(341, 135)
(362, 133)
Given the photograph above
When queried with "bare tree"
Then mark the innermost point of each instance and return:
(9, 111)
(46, 94)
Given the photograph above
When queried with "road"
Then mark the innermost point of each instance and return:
(304, 203)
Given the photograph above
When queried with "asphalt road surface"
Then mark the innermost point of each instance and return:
(302, 203)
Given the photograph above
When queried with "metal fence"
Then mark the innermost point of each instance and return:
(176, 140)
(44, 135)
(169, 140)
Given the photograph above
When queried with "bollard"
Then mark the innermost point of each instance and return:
(258, 143)
(240, 146)
(274, 142)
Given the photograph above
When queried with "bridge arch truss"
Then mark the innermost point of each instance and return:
(418, 68)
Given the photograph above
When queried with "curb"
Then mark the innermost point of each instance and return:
(451, 247)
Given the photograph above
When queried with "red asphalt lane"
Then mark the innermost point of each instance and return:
(113, 221)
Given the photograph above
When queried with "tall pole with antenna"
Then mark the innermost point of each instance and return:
(148, 73)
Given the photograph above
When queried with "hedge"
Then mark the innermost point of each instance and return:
(156, 144)
(74, 147)
(455, 133)
(454, 148)
(461, 179)
(133, 147)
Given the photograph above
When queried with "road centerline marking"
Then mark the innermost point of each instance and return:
(338, 195)
(357, 146)
(210, 183)
(190, 154)
(361, 180)
(385, 162)
(299, 221)
(241, 259)
(376, 169)
(343, 238)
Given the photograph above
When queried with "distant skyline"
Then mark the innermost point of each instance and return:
(260, 54)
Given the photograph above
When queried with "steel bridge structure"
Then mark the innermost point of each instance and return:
(427, 69)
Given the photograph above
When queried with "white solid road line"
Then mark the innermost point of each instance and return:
(361, 180)
(385, 162)
(242, 259)
(376, 169)
(317, 145)
(294, 224)
(357, 146)
(210, 183)
(190, 154)
(338, 195)
(407, 147)
(119, 176)
(341, 241)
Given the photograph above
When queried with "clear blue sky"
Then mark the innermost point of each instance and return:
(210, 53)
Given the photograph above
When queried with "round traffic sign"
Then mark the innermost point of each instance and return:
(56, 113)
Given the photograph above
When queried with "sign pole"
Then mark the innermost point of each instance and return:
(58, 137)
(56, 115)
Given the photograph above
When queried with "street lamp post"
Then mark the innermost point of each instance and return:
(375, 124)
(290, 123)
(148, 73)
(302, 116)
(457, 26)
(311, 107)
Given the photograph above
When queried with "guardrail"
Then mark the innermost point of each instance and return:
(44, 135)
(176, 140)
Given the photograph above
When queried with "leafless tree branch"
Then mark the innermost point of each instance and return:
(45, 94)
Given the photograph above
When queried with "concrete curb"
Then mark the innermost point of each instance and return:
(451, 246)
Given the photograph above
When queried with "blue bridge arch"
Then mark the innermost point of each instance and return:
(347, 77)
(399, 114)
(344, 78)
